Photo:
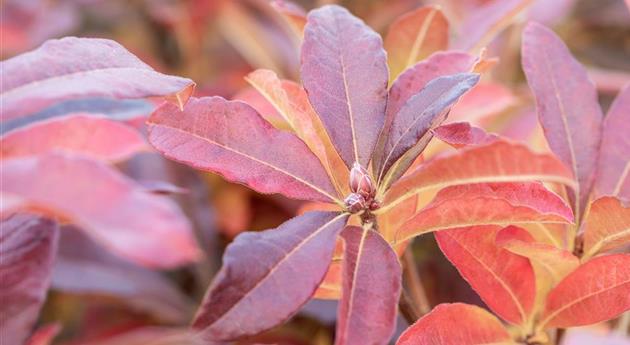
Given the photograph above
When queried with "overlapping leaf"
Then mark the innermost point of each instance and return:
(28, 245)
(344, 71)
(461, 134)
(275, 270)
(504, 280)
(229, 137)
(598, 290)
(371, 273)
(114, 212)
(613, 168)
(567, 105)
(485, 204)
(71, 68)
(498, 161)
(79, 133)
(456, 324)
(409, 131)
(414, 36)
(606, 226)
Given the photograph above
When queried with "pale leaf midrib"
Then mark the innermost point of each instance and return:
(364, 234)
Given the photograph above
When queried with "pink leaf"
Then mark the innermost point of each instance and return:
(613, 168)
(606, 226)
(409, 131)
(275, 270)
(79, 133)
(44, 335)
(597, 291)
(27, 250)
(505, 281)
(230, 138)
(110, 207)
(344, 71)
(456, 324)
(567, 105)
(460, 134)
(71, 68)
(371, 272)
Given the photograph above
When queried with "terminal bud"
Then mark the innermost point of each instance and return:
(361, 182)
(355, 202)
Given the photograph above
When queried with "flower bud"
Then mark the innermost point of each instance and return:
(355, 203)
(361, 182)
(374, 205)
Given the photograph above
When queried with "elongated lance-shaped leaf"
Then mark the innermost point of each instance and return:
(80, 133)
(107, 205)
(462, 134)
(505, 281)
(71, 68)
(613, 168)
(275, 270)
(498, 161)
(598, 290)
(566, 101)
(28, 245)
(371, 272)
(606, 226)
(414, 36)
(230, 138)
(456, 324)
(344, 71)
(486, 204)
(409, 132)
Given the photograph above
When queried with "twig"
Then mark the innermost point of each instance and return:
(407, 309)
(412, 279)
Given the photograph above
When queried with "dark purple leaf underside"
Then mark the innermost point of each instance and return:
(344, 71)
(267, 276)
(27, 249)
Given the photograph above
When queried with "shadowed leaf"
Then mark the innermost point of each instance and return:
(275, 270)
(344, 71)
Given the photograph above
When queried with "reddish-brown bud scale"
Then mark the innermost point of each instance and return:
(355, 203)
(361, 182)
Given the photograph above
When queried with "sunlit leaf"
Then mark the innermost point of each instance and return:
(344, 71)
(606, 226)
(461, 134)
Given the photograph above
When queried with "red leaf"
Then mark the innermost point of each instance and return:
(414, 36)
(344, 71)
(567, 105)
(599, 290)
(110, 207)
(84, 267)
(229, 137)
(27, 250)
(485, 22)
(606, 226)
(276, 270)
(497, 161)
(505, 281)
(482, 102)
(485, 204)
(408, 133)
(44, 335)
(80, 133)
(456, 324)
(71, 68)
(613, 168)
(371, 272)
(460, 134)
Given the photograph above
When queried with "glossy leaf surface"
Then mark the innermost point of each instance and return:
(28, 245)
(275, 270)
(114, 212)
(230, 138)
(79, 133)
(71, 68)
(505, 281)
(606, 226)
(344, 71)
(456, 324)
(371, 273)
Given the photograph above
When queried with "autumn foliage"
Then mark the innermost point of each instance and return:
(371, 143)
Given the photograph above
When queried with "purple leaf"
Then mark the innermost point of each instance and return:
(230, 138)
(267, 276)
(27, 250)
(371, 288)
(344, 71)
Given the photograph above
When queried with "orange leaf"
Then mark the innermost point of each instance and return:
(414, 36)
(456, 324)
(599, 290)
(607, 226)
